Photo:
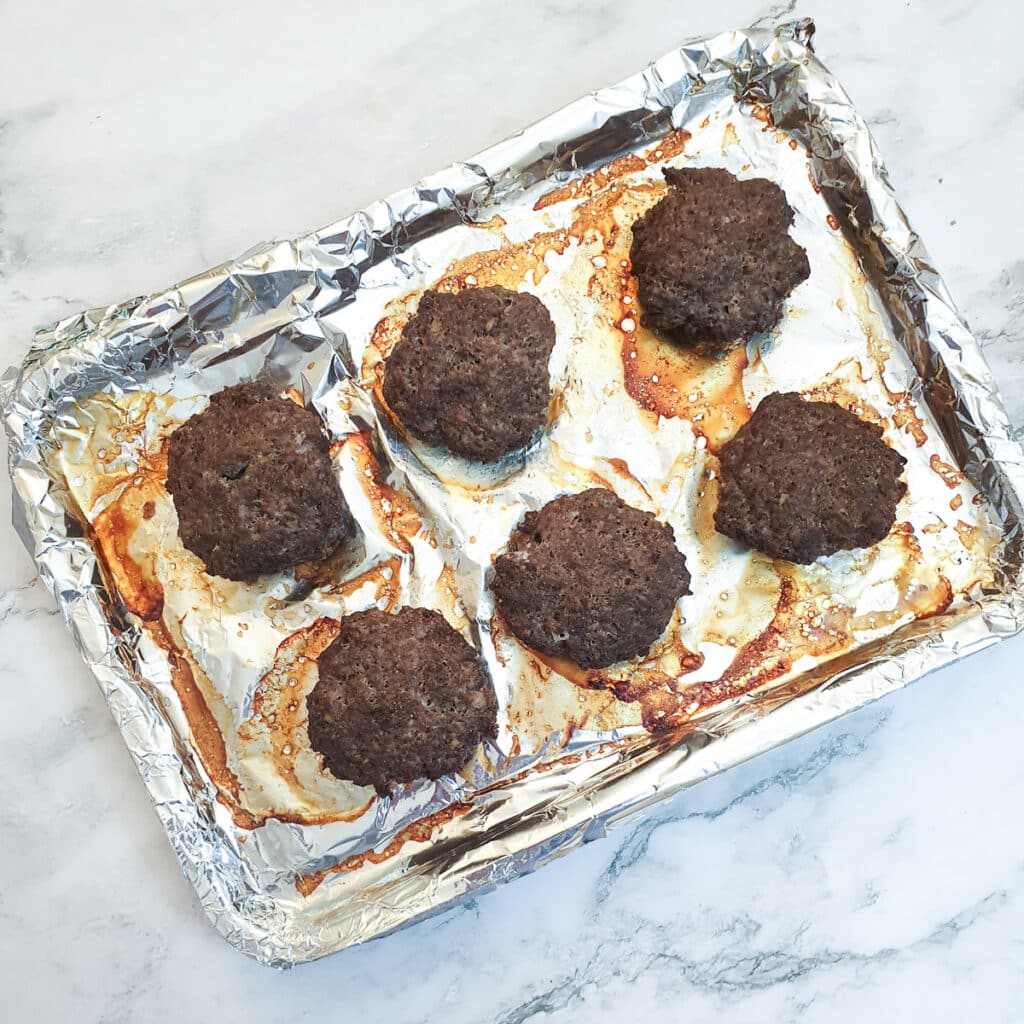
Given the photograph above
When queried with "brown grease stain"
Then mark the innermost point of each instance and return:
(758, 661)
(279, 708)
(507, 266)
(956, 501)
(740, 615)
(418, 832)
(608, 209)
(395, 513)
(668, 147)
(968, 534)
(136, 583)
(762, 113)
(662, 378)
(809, 622)
(922, 593)
(904, 414)
(383, 575)
(421, 831)
(707, 502)
(673, 381)
(543, 700)
(385, 579)
(906, 418)
(650, 682)
(450, 604)
(207, 739)
(950, 475)
(151, 464)
(495, 223)
(586, 477)
(385, 336)
(276, 701)
(840, 389)
(832, 222)
(320, 573)
(605, 223)
(143, 595)
(589, 185)
(556, 407)
(621, 466)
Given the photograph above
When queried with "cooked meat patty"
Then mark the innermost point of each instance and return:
(470, 372)
(590, 579)
(253, 484)
(400, 697)
(714, 260)
(804, 479)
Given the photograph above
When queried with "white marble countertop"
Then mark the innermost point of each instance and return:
(873, 870)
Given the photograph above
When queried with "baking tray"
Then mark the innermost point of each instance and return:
(291, 868)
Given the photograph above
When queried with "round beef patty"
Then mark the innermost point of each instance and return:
(714, 260)
(804, 479)
(400, 697)
(590, 579)
(253, 484)
(470, 372)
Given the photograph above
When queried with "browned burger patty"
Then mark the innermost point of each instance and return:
(471, 371)
(714, 260)
(805, 479)
(400, 697)
(253, 484)
(590, 579)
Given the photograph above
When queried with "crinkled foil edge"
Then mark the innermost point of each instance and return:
(523, 825)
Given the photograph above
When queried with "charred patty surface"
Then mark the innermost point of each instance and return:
(804, 479)
(400, 697)
(590, 578)
(253, 485)
(470, 372)
(713, 259)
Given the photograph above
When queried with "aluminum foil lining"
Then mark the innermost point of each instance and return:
(207, 679)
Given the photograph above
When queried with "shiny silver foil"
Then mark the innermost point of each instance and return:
(297, 865)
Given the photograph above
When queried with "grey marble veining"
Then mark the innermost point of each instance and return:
(870, 871)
